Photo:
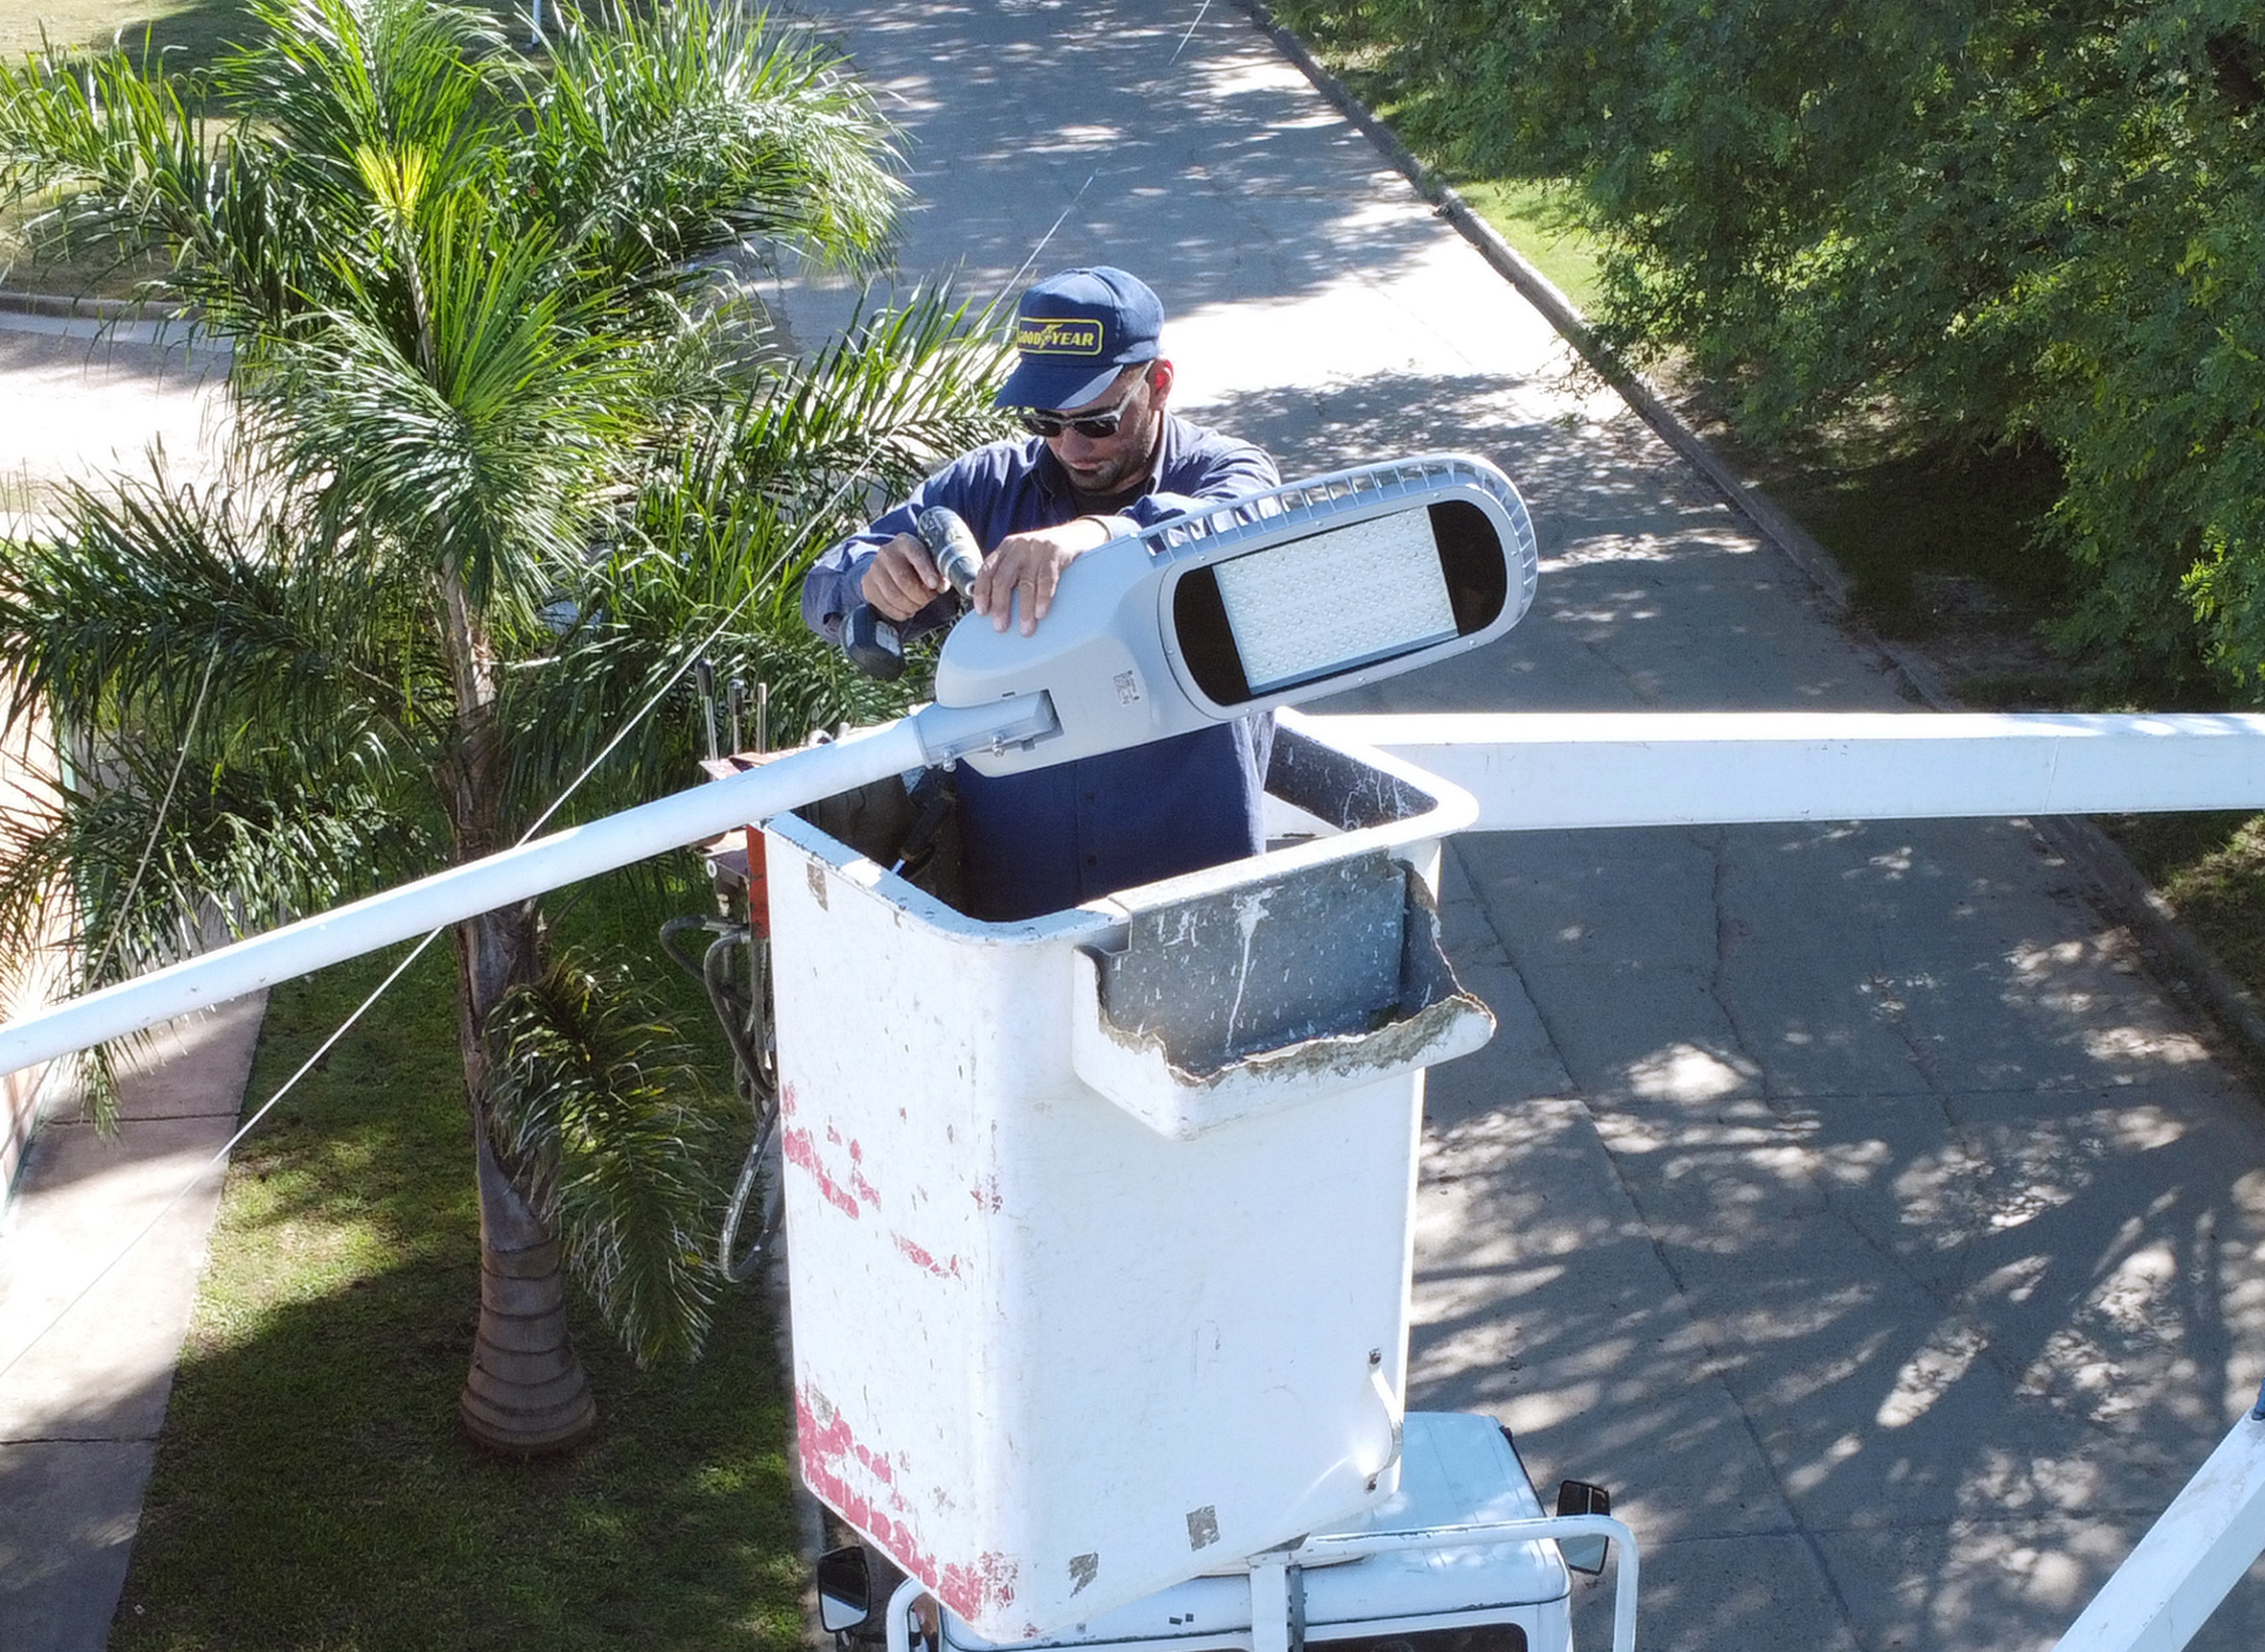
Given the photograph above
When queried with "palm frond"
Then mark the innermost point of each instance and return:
(119, 157)
(240, 730)
(336, 80)
(679, 129)
(153, 871)
(602, 1117)
(469, 441)
(115, 620)
(901, 391)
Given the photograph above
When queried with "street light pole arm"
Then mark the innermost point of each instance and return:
(935, 734)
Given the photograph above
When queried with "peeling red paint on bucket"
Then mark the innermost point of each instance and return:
(801, 1151)
(920, 1258)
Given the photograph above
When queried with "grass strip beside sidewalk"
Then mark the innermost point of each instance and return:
(2211, 868)
(312, 1487)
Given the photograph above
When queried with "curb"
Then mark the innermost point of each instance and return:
(2189, 967)
(2118, 887)
(90, 309)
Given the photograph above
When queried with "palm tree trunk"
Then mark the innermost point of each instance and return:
(526, 1391)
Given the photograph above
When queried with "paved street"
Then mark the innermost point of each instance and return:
(1842, 1195)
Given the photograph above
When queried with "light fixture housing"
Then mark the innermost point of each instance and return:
(1277, 598)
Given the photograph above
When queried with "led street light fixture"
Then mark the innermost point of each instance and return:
(1286, 595)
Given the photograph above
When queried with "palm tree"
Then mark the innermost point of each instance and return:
(504, 458)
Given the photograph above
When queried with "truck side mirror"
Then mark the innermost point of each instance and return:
(1583, 1555)
(845, 1590)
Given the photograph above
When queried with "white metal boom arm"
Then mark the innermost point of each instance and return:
(518, 874)
(2169, 1586)
(1533, 771)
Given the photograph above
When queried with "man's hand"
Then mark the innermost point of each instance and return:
(1030, 563)
(901, 579)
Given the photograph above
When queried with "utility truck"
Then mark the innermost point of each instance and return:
(1242, 1182)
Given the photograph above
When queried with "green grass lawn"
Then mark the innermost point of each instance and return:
(312, 1490)
(1893, 518)
(1532, 215)
(2212, 869)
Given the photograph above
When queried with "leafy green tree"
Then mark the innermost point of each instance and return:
(504, 457)
(1986, 224)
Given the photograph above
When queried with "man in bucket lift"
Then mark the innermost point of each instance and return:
(1104, 457)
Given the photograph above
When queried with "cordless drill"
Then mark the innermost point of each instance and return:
(870, 640)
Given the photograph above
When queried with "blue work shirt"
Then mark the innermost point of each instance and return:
(1055, 837)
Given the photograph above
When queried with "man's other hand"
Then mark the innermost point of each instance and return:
(901, 579)
(1030, 563)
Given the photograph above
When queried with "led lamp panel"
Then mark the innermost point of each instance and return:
(1335, 602)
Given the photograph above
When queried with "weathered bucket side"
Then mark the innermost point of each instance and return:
(1048, 1356)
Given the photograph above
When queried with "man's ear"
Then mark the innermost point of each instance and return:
(1159, 382)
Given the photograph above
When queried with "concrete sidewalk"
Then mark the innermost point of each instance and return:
(1846, 1195)
(78, 398)
(83, 1395)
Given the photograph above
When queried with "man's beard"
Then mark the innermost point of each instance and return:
(1125, 475)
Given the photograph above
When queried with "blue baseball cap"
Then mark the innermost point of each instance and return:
(1076, 332)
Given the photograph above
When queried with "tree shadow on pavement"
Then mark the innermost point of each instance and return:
(1896, 1284)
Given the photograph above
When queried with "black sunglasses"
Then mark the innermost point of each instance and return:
(1093, 426)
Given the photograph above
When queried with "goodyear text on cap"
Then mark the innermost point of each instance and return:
(1051, 335)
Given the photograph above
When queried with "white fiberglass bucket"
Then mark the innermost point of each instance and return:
(1098, 1224)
